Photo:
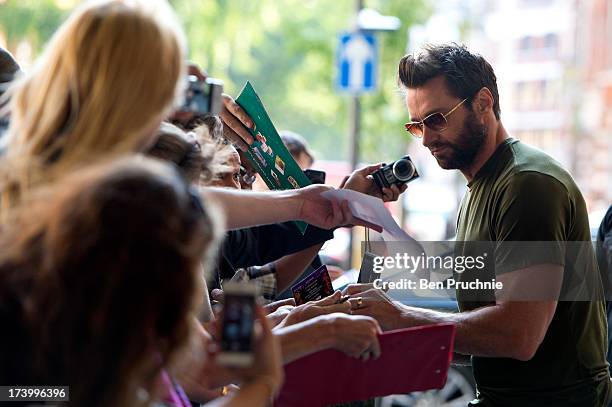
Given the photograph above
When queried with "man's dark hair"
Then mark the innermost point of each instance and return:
(465, 72)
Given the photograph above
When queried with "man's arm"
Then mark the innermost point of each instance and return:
(511, 329)
(506, 330)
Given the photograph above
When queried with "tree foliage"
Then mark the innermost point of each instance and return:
(30, 20)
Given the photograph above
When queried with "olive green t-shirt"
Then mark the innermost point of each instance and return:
(522, 194)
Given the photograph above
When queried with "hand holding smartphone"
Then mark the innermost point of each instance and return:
(247, 357)
(237, 334)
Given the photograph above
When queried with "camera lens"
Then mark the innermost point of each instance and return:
(403, 169)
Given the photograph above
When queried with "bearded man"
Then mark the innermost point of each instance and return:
(544, 349)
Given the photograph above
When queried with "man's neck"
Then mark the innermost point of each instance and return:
(490, 145)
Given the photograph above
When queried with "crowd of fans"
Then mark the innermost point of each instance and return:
(121, 217)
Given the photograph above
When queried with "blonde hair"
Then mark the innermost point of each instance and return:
(108, 76)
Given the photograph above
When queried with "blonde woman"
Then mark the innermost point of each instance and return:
(92, 94)
(109, 76)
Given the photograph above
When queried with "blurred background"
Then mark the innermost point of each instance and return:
(552, 59)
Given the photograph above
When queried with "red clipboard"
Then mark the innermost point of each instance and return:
(412, 359)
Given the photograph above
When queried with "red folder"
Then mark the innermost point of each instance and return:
(413, 359)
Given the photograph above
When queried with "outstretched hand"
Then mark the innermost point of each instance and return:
(326, 213)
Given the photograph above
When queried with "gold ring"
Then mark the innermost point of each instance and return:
(359, 302)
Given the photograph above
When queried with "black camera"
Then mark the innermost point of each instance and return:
(316, 177)
(203, 97)
(399, 173)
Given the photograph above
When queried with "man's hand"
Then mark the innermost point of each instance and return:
(236, 123)
(361, 181)
(325, 213)
(376, 304)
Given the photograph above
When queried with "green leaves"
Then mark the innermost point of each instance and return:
(31, 20)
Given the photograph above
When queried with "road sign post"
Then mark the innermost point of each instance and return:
(356, 65)
(357, 68)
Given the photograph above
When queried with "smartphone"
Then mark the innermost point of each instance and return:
(315, 176)
(237, 325)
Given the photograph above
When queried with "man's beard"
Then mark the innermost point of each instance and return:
(462, 153)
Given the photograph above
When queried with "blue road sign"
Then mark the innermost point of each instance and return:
(356, 58)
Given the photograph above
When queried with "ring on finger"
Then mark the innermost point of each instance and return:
(358, 303)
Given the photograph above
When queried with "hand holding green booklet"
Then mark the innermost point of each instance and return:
(268, 154)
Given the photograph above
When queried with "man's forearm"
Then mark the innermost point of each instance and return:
(488, 331)
(247, 208)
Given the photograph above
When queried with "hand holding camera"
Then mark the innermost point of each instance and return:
(397, 173)
(202, 99)
(383, 181)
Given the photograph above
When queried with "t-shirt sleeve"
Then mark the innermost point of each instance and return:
(531, 222)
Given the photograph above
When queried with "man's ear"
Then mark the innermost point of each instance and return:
(483, 101)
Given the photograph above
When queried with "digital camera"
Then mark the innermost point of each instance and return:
(399, 173)
(203, 97)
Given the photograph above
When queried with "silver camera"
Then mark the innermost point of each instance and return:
(399, 173)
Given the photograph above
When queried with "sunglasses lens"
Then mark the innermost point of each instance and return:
(436, 122)
(415, 129)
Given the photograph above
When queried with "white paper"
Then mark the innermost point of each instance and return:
(370, 209)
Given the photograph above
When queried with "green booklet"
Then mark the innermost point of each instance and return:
(268, 154)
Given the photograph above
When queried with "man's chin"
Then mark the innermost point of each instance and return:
(446, 163)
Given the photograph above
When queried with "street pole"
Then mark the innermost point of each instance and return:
(355, 130)
(355, 135)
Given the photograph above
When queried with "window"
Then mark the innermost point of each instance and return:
(538, 48)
